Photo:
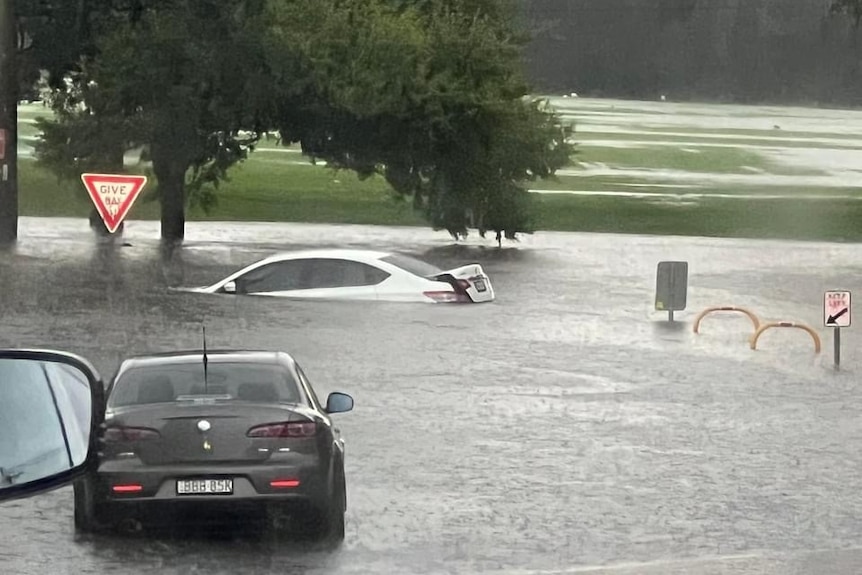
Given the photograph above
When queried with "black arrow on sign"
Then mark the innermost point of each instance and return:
(834, 318)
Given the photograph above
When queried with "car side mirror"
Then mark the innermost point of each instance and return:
(229, 287)
(338, 403)
(50, 410)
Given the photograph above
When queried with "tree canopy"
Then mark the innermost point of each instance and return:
(789, 52)
(430, 95)
(852, 8)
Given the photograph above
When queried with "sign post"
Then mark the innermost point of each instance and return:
(671, 287)
(836, 314)
(4, 175)
(113, 195)
(5, 170)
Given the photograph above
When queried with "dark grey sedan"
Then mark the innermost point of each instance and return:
(221, 431)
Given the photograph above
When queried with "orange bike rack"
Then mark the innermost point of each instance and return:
(792, 324)
(751, 315)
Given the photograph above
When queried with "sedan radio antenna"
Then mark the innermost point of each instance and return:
(206, 384)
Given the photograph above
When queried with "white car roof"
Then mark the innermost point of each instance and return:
(347, 254)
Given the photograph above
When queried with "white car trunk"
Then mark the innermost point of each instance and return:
(474, 281)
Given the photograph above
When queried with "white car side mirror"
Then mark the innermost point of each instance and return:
(229, 287)
(50, 415)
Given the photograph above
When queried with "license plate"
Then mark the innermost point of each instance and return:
(480, 285)
(204, 486)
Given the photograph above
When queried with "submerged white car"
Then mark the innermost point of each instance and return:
(355, 275)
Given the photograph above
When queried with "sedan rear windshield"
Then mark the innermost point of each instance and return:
(412, 265)
(233, 381)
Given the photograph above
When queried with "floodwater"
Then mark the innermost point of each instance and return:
(813, 147)
(706, 116)
(817, 148)
(693, 180)
(565, 428)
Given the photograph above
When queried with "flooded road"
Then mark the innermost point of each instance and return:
(563, 428)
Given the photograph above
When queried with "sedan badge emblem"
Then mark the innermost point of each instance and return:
(207, 445)
(204, 425)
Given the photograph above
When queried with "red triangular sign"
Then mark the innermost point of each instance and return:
(113, 195)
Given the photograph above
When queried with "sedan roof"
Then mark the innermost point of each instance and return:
(349, 254)
(213, 356)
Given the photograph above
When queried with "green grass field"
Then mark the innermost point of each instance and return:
(692, 179)
(258, 190)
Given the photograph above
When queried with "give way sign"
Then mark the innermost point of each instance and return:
(113, 195)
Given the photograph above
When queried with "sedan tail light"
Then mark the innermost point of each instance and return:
(446, 296)
(128, 488)
(284, 429)
(118, 434)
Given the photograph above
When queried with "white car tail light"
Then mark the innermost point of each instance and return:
(446, 296)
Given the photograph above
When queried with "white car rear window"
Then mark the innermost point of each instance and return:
(412, 265)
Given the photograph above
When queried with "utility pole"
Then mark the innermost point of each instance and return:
(8, 123)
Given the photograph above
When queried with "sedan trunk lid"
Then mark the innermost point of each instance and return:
(470, 280)
(190, 432)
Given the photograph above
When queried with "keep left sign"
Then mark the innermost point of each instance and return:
(836, 308)
(113, 195)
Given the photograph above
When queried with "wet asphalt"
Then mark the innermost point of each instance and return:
(565, 428)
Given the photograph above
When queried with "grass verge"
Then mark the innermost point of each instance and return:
(262, 190)
(798, 219)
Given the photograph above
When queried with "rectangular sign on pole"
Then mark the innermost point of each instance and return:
(836, 308)
(2, 144)
(671, 286)
(836, 314)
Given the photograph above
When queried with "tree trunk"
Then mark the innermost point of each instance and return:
(8, 122)
(170, 170)
(114, 165)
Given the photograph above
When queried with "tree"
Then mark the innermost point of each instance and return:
(431, 96)
(44, 36)
(428, 94)
(180, 80)
(852, 8)
(8, 122)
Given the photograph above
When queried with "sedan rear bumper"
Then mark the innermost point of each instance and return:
(124, 482)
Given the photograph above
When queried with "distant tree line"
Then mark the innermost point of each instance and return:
(770, 51)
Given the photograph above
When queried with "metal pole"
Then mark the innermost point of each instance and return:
(9, 122)
(670, 315)
(837, 341)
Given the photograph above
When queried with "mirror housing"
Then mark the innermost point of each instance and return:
(338, 403)
(229, 287)
(51, 407)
